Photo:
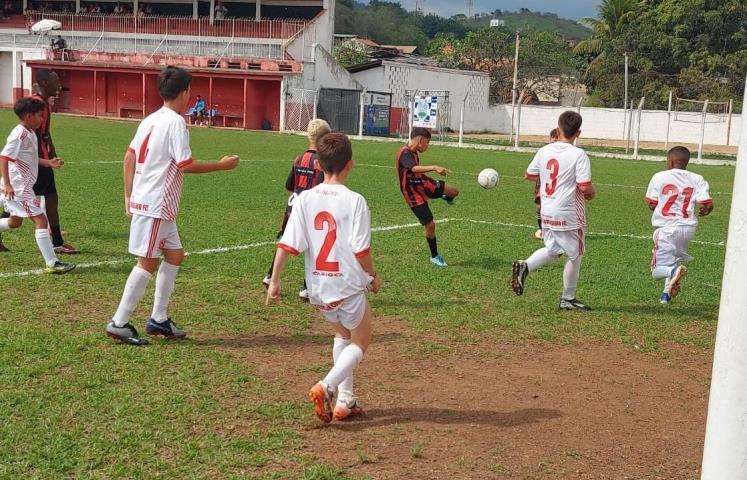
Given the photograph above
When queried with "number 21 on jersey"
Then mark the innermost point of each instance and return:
(674, 194)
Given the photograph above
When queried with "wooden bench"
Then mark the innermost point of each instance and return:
(227, 120)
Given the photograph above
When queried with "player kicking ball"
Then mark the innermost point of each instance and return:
(154, 167)
(564, 172)
(19, 167)
(672, 195)
(332, 226)
(418, 188)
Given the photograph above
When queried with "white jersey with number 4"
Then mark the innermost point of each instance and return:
(332, 225)
(161, 146)
(562, 168)
(675, 193)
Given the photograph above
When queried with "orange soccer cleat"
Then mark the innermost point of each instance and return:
(322, 398)
(346, 409)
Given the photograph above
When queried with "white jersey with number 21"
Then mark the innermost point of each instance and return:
(332, 225)
(561, 168)
(674, 193)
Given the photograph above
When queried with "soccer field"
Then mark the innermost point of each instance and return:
(230, 401)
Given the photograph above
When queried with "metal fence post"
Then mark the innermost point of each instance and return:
(702, 130)
(638, 130)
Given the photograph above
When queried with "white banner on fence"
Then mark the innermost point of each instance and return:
(425, 112)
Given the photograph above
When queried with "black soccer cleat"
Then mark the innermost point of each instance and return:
(519, 277)
(573, 304)
(125, 334)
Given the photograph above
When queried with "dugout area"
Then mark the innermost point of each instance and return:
(241, 99)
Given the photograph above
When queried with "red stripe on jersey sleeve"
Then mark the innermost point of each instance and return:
(530, 176)
(363, 253)
(705, 202)
(651, 201)
(184, 163)
(131, 150)
(584, 184)
(7, 158)
(289, 249)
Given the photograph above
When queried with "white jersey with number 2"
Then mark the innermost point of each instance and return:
(561, 168)
(161, 147)
(331, 224)
(674, 193)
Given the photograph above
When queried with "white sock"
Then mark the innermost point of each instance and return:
(348, 359)
(662, 272)
(539, 259)
(571, 272)
(133, 292)
(164, 287)
(4, 225)
(44, 241)
(345, 389)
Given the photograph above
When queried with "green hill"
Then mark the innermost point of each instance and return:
(543, 22)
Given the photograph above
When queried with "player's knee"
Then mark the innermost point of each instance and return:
(148, 264)
(430, 229)
(15, 222)
(174, 257)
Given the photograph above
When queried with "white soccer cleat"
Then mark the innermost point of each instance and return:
(266, 281)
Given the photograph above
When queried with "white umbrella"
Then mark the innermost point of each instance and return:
(43, 26)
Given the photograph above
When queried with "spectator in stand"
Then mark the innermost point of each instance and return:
(148, 9)
(118, 9)
(59, 46)
(220, 11)
(8, 8)
(140, 10)
(96, 9)
(198, 111)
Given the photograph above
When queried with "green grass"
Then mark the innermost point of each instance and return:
(75, 405)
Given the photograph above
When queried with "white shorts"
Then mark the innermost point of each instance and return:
(24, 208)
(348, 312)
(570, 242)
(670, 246)
(149, 236)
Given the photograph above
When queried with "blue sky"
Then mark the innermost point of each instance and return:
(564, 8)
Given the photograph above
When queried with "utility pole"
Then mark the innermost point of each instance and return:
(419, 5)
(513, 90)
(470, 4)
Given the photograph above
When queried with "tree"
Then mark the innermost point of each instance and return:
(349, 53)
(613, 14)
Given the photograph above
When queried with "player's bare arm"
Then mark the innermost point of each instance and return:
(530, 177)
(52, 162)
(229, 162)
(7, 187)
(368, 265)
(588, 191)
(273, 290)
(430, 168)
(705, 208)
(128, 173)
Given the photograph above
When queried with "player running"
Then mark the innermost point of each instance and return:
(19, 167)
(672, 195)
(305, 174)
(332, 225)
(537, 198)
(154, 167)
(564, 172)
(417, 187)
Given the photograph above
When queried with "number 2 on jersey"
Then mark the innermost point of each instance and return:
(674, 193)
(322, 264)
(554, 168)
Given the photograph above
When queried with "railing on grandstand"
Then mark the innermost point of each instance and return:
(172, 25)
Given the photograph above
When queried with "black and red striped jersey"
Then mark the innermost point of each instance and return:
(46, 148)
(306, 173)
(416, 187)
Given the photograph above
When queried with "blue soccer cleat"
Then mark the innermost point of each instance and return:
(664, 298)
(438, 261)
(167, 329)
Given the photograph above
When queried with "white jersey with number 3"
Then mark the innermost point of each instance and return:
(561, 168)
(674, 193)
(332, 225)
(161, 146)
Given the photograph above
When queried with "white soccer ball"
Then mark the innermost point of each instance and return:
(488, 178)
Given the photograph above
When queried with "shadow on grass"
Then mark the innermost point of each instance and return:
(258, 341)
(446, 416)
(690, 312)
(492, 264)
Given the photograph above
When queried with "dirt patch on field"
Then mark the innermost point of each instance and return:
(439, 410)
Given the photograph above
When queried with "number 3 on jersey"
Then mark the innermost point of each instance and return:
(322, 264)
(554, 168)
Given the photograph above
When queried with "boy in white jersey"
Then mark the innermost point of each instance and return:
(332, 225)
(155, 162)
(19, 167)
(564, 173)
(672, 195)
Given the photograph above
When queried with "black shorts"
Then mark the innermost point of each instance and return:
(45, 182)
(424, 214)
(437, 190)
